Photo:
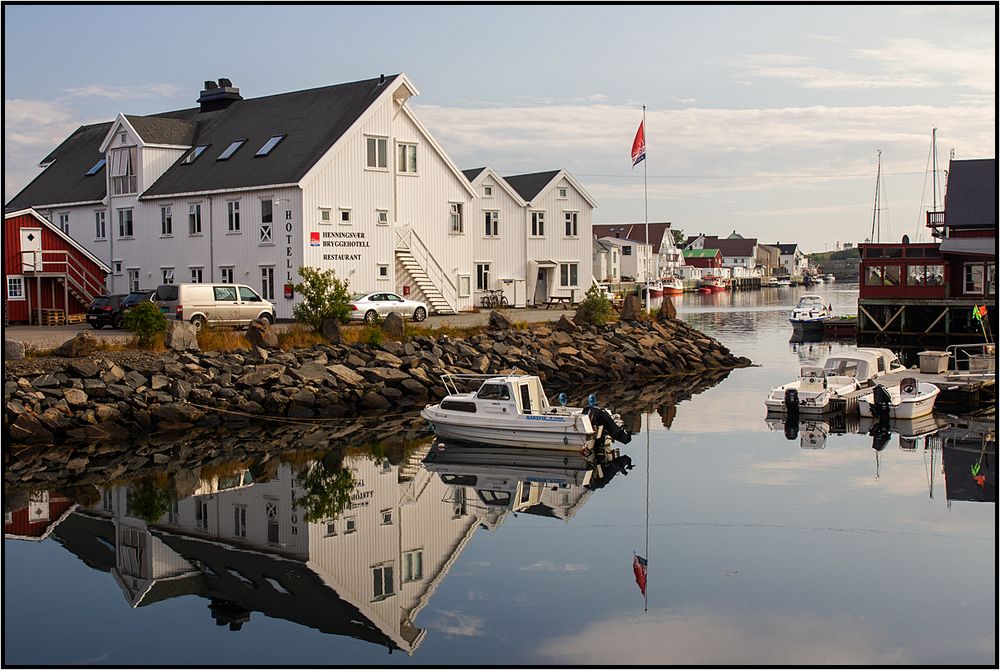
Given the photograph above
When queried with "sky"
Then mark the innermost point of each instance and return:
(763, 119)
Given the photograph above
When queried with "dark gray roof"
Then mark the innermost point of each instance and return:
(472, 174)
(529, 185)
(312, 121)
(971, 200)
(784, 249)
(65, 179)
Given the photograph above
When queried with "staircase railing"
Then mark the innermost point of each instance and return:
(56, 262)
(408, 240)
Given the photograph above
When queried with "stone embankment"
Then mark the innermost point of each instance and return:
(102, 397)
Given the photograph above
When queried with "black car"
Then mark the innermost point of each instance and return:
(136, 297)
(105, 310)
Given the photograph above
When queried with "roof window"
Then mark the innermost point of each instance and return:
(97, 167)
(269, 145)
(230, 150)
(193, 154)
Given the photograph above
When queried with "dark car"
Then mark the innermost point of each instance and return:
(136, 297)
(105, 310)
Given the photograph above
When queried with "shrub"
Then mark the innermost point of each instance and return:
(146, 322)
(327, 491)
(148, 501)
(324, 296)
(372, 334)
(596, 308)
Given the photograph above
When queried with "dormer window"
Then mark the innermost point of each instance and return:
(230, 150)
(123, 171)
(192, 155)
(97, 167)
(269, 145)
(487, 191)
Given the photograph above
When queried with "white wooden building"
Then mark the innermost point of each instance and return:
(637, 260)
(343, 177)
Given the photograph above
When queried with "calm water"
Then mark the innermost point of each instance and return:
(761, 549)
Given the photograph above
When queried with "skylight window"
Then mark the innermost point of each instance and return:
(97, 167)
(269, 145)
(230, 150)
(193, 154)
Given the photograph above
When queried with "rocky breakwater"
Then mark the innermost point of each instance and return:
(107, 397)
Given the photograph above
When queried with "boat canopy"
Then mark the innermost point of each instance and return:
(810, 299)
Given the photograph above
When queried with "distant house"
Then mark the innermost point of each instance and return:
(46, 269)
(738, 253)
(706, 259)
(666, 254)
(793, 261)
(636, 257)
(607, 262)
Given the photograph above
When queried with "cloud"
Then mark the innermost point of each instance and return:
(457, 624)
(32, 129)
(970, 66)
(549, 566)
(127, 92)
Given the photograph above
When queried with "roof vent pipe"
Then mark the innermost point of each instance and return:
(381, 79)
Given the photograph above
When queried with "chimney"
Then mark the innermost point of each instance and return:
(381, 79)
(219, 95)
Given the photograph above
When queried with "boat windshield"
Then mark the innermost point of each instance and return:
(809, 300)
(846, 367)
(494, 392)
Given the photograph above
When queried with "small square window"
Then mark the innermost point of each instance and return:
(562, 192)
(383, 271)
(487, 191)
(382, 217)
(350, 524)
(344, 216)
(331, 529)
(324, 215)
(386, 517)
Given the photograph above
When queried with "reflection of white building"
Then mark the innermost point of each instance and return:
(366, 574)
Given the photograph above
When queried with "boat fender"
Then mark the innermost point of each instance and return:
(791, 400)
(602, 417)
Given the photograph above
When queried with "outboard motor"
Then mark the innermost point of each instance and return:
(621, 464)
(792, 401)
(881, 400)
(602, 417)
(792, 428)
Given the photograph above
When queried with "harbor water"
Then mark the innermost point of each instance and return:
(760, 543)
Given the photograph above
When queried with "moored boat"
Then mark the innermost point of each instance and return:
(513, 410)
(673, 286)
(783, 282)
(711, 284)
(911, 399)
(809, 314)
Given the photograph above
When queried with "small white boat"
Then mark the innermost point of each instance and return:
(911, 399)
(830, 276)
(809, 314)
(513, 410)
(817, 280)
(783, 281)
(832, 387)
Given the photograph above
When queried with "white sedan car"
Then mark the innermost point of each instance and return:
(368, 306)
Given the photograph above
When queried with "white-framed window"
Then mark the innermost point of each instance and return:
(325, 216)
(487, 190)
(15, 287)
(273, 524)
(167, 275)
(267, 211)
(226, 275)
(64, 222)
(239, 521)
(123, 171)
(455, 223)
(382, 581)
(194, 218)
(265, 234)
(464, 286)
(118, 268)
(167, 221)
(267, 282)
(562, 193)
(406, 158)
(233, 215)
(492, 221)
(386, 515)
(350, 524)
(571, 229)
(568, 275)
(482, 276)
(626, 251)
(133, 279)
(413, 565)
(376, 153)
(974, 278)
(381, 217)
(125, 223)
(197, 275)
(329, 528)
(383, 271)
(344, 216)
(100, 225)
(538, 224)
(201, 514)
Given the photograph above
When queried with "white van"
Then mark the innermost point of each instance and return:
(213, 304)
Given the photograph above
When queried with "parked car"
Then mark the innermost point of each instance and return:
(213, 304)
(105, 310)
(136, 297)
(368, 306)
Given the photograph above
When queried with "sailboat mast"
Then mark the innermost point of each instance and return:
(934, 173)
(875, 216)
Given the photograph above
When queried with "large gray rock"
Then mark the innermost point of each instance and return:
(667, 311)
(13, 350)
(261, 334)
(330, 329)
(499, 321)
(181, 336)
(393, 326)
(83, 344)
(632, 311)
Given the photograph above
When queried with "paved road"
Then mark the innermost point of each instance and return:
(49, 337)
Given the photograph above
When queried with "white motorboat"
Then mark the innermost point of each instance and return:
(830, 277)
(513, 410)
(809, 314)
(832, 387)
(911, 399)
(783, 281)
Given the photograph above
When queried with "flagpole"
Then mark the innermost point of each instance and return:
(645, 199)
(645, 595)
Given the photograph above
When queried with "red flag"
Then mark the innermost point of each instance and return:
(639, 568)
(639, 145)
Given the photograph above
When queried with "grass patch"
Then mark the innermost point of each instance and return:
(222, 339)
(299, 336)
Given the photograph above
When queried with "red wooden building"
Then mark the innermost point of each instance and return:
(48, 276)
(36, 521)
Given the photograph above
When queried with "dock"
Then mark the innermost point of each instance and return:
(961, 390)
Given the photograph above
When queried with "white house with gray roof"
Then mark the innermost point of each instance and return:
(341, 177)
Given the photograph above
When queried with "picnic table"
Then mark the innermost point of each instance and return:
(561, 300)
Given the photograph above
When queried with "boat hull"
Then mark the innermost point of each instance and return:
(809, 326)
(902, 408)
(548, 434)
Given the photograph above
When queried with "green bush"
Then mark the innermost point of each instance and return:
(324, 296)
(372, 334)
(596, 308)
(146, 321)
(327, 491)
(147, 501)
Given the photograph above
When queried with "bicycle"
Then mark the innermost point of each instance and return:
(494, 298)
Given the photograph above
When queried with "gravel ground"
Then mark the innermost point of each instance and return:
(50, 337)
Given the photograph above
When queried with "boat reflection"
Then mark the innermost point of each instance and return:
(349, 545)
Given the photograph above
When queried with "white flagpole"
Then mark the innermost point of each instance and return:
(645, 199)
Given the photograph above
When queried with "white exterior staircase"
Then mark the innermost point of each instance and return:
(438, 290)
(435, 299)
